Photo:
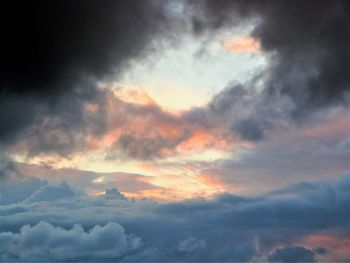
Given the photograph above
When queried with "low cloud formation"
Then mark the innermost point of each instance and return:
(280, 225)
(113, 193)
(44, 241)
(49, 193)
(292, 254)
(191, 244)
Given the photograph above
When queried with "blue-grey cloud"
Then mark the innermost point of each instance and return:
(292, 254)
(44, 241)
(306, 44)
(228, 227)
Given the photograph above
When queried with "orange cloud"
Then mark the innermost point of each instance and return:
(335, 128)
(135, 95)
(339, 247)
(242, 44)
(204, 138)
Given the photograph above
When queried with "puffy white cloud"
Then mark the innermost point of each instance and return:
(191, 244)
(113, 193)
(45, 241)
(225, 228)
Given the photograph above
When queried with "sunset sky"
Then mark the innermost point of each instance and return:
(175, 130)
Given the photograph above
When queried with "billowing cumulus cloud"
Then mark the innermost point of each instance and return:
(280, 225)
(44, 241)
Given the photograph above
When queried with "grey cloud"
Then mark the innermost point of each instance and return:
(281, 161)
(13, 191)
(83, 180)
(49, 193)
(44, 241)
(306, 44)
(191, 244)
(234, 228)
(292, 254)
(148, 147)
(53, 58)
(113, 193)
(64, 127)
(308, 40)
(245, 111)
(249, 129)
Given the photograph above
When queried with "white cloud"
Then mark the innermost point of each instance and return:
(191, 244)
(45, 241)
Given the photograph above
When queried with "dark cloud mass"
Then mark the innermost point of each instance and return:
(47, 47)
(308, 41)
(54, 55)
(61, 48)
(309, 59)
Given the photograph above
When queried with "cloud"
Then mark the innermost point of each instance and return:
(146, 131)
(237, 228)
(191, 244)
(309, 55)
(44, 241)
(52, 67)
(242, 44)
(54, 103)
(13, 191)
(49, 193)
(307, 67)
(113, 193)
(292, 254)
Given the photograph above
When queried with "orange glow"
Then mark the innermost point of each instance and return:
(135, 95)
(242, 44)
(199, 138)
(338, 128)
(339, 246)
(202, 138)
(185, 186)
(154, 194)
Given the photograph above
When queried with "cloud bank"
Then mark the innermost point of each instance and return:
(277, 225)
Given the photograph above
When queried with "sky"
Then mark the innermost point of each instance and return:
(175, 130)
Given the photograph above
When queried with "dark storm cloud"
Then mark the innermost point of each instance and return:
(60, 49)
(247, 111)
(310, 40)
(49, 46)
(307, 46)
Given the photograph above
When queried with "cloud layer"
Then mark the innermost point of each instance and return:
(278, 225)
